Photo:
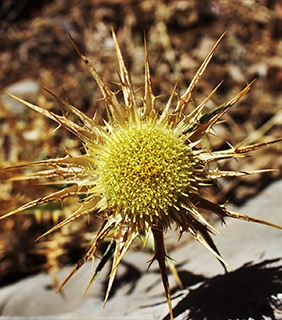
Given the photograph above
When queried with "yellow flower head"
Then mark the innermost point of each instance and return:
(142, 170)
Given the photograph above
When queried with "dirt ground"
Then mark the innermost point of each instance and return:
(35, 47)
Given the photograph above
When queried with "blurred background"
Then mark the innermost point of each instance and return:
(36, 52)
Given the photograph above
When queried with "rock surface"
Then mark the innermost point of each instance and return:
(25, 89)
(250, 291)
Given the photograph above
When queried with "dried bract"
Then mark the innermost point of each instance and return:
(142, 170)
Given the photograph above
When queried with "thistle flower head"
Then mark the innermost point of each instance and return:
(142, 170)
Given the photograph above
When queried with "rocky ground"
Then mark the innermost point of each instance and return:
(251, 290)
(36, 52)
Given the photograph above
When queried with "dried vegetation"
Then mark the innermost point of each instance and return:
(35, 45)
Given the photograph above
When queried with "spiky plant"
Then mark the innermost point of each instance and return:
(142, 170)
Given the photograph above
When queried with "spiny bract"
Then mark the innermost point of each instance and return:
(142, 170)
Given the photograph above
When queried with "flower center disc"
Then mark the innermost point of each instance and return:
(144, 170)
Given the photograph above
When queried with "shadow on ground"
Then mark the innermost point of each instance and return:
(250, 291)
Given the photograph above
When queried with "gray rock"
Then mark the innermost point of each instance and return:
(27, 89)
(250, 291)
